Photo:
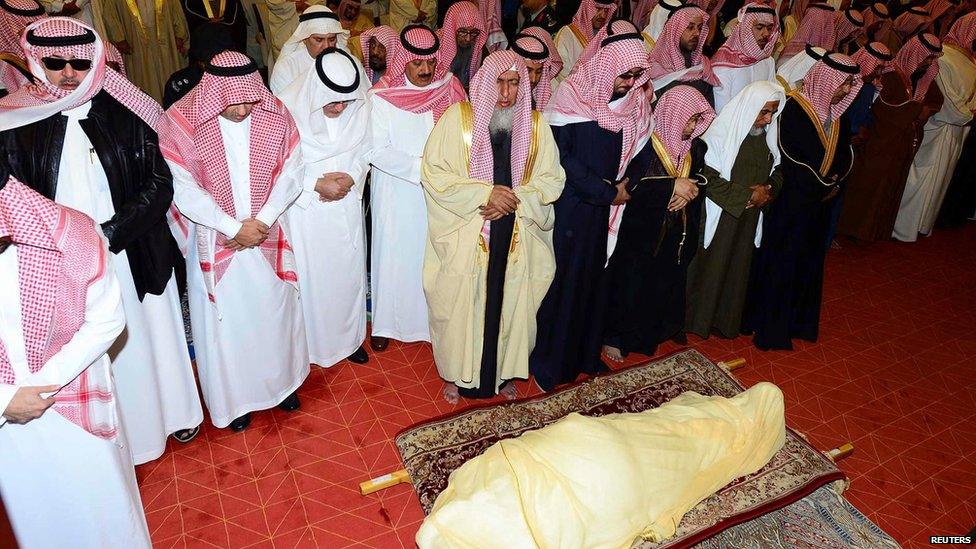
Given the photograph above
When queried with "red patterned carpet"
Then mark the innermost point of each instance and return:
(892, 373)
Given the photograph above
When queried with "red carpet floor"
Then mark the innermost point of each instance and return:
(893, 373)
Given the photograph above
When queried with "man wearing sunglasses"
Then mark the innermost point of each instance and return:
(83, 136)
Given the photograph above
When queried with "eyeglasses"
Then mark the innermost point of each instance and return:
(632, 75)
(57, 64)
(471, 33)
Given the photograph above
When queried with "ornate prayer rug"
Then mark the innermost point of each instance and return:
(432, 450)
(822, 520)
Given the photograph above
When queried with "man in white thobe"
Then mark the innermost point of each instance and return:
(790, 74)
(318, 29)
(327, 224)
(746, 57)
(283, 19)
(234, 152)
(108, 166)
(945, 133)
(66, 478)
(406, 102)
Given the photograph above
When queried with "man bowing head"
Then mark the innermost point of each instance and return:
(601, 120)
(236, 159)
(328, 230)
(406, 103)
(65, 472)
(490, 174)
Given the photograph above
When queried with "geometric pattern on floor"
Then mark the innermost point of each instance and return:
(892, 372)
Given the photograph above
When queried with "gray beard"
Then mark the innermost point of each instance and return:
(501, 120)
(755, 132)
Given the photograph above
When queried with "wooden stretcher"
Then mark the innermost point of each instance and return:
(400, 477)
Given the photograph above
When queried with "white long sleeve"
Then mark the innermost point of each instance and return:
(286, 189)
(385, 156)
(197, 204)
(104, 321)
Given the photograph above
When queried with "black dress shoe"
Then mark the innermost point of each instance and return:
(241, 423)
(359, 357)
(291, 403)
(379, 344)
(186, 435)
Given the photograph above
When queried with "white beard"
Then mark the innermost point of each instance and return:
(501, 120)
(755, 132)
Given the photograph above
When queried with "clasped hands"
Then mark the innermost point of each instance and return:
(333, 186)
(251, 234)
(761, 195)
(501, 202)
(685, 190)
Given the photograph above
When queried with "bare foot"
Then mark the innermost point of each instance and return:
(613, 353)
(451, 393)
(509, 391)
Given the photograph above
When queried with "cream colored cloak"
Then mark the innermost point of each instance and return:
(155, 53)
(456, 260)
(586, 482)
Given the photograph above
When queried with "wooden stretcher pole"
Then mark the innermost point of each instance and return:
(840, 452)
(733, 364)
(383, 482)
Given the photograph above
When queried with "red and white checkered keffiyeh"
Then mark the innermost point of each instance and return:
(384, 35)
(42, 99)
(822, 82)
(911, 22)
(617, 27)
(542, 91)
(642, 13)
(713, 12)
(491, 14)
(872, 56)
(674, 109)
(15, 15)
(484, 96)
(584, 16)
(910, 57)
(554, 58)
(59, 255)
(741, 49)
(963, 32)
(849, 24)
(113, 55)
(876, 15)
(437, 96)
(666, 58)
(462, 15)
(816, 29)
(937, 8)
(585, 96)
(190, 137)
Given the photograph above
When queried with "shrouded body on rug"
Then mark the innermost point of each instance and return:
(607, 481)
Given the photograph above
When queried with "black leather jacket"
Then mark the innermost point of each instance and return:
(138, 178)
